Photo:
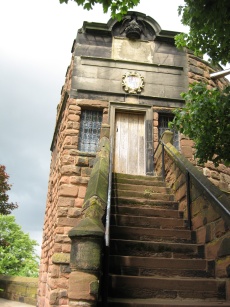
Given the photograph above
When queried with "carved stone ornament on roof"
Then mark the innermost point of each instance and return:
(133, 27)
(133, 82)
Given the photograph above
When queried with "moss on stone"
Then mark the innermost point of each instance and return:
(61, 258)
(87, 227)
(94, 209)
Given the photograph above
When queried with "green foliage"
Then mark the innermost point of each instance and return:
(17, 250)
(118, 8)
(206, 119)
(209, 22)
(5, 206)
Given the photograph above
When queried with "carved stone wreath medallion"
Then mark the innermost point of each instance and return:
(133, 82)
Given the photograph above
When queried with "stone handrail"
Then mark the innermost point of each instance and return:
(88, 236)
(209, 220)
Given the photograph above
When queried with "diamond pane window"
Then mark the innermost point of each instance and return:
(164, 119)
(90, 129)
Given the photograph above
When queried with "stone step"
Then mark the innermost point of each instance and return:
(144, 221)
(156, 249)
(140, 195)
(174, 287)
(118, 177)
(142, 266)
(157, 302)
(145, 189)
(151, 234)
(150, 203)
(137, 194)
(146, 211)
(150, 187)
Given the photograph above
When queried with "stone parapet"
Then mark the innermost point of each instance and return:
(20, 289)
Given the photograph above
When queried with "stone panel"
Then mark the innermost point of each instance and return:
(132, 50)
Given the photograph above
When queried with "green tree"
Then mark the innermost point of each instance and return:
(118, 8)
(209, 28)
(17, 250)
(5, 206)
(206, 119)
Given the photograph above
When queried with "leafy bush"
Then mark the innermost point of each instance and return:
(206, 120)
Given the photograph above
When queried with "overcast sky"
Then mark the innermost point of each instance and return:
(35, 51)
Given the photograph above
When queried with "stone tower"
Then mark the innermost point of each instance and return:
(123, 81)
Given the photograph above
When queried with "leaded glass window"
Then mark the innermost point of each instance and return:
(163, 121)
(90, 128)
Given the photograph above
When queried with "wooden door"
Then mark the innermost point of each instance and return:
(129, 152)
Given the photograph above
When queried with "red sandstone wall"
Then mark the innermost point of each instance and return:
(69, 175)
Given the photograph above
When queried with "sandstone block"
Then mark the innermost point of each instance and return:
(57, 248)
(67, 221)
(83, 286)
(60, 230)
(62, 211)
(66, 248)
(71, 132)
(86, 171)
(74, 212)
(82, 161)
(68, 190)
(62, 239)
(67, 160)
(73, 117)
(75, 107)
(54, 271)
(82, 191)
(79, 202)
(69, 170)
(78, 180)
(74, 140)
(61, 258)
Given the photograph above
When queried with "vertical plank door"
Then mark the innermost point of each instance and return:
(129, 153)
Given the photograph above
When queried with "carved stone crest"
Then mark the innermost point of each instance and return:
(133, 27)
(133, 82)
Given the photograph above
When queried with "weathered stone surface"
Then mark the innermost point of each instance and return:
(83, 286)
(223, 267)
(70, 170)
(61, 258)
(65, 202)
(68, 190)
(86, 254)
(23, 289)
(137, 51)
(87, 227)
(82, 161)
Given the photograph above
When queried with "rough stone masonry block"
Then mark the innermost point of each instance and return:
(68, 190)
(83, 286)
(70, 170)
(86, 245)
(61, 258)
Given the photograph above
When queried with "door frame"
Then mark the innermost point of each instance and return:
(147, 111)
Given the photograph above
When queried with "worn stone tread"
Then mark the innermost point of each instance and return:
(156, 302)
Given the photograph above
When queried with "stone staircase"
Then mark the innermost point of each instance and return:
(154, 259)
